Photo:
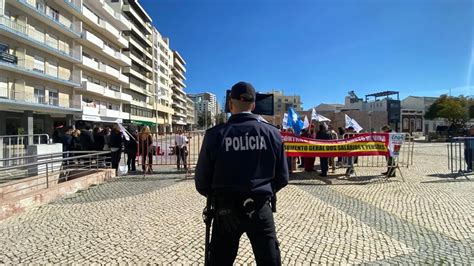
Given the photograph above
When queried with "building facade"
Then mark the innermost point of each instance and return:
(162, 64)
(206, 108)
(60, 61)
(86, 62)
(281, 104)
(190, 113)
(178, 94)
(413, 109)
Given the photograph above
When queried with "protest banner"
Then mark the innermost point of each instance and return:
(359, 145)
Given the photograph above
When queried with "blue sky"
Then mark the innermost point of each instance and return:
(322, 49)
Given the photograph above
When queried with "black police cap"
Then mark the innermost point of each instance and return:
(243, 91)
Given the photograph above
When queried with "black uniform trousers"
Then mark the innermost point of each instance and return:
(181, 156)
(260, 229)
(324, 165)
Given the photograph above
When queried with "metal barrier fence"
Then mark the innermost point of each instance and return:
(461, 156)
(404, 159)
(15, 146)
(44, 171)
(163, 149)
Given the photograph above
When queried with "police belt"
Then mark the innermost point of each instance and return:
(245, 203)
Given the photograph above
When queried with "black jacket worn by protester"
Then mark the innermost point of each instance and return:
(244, 155)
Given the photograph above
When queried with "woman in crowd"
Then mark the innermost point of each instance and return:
(145, 148)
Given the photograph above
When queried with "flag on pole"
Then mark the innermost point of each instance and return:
(318, 117)
(285, 121)
(125, 133)
(294, 121)
(305, 122)
(314, 115)
(350, 122)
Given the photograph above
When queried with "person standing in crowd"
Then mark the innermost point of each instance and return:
(324, 135)
(332, 161)
(469, 149)
(87, 139)
(350, 160)
(391, 167)
(131, 148)
(241, 166)
(99, 141)
(181, 149)
(68, 143)
(145, 148)
(116, 142)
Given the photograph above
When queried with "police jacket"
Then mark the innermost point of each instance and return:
(244, 155)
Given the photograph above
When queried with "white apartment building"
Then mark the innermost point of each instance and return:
(178, 95)
(191, 117)
(162, 64)
(103, 63)
(205, 103)
(140, 72)
(60, 61)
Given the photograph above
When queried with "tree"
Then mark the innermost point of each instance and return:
(456, 110)
(204, 119)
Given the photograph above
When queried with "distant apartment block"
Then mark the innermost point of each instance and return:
(205, 103)
(191, 117)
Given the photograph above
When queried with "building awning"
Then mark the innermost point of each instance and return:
(141, 122)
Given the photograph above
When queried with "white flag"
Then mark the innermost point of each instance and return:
(124, 132)
(285, 121)
(305, 122)
(323, 118)
(352, 123)
(318, 117)
(314, 115)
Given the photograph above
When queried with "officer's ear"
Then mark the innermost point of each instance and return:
(253, 106)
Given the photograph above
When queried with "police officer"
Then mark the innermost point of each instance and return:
(242, 165)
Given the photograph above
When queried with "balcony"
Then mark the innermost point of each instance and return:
(179, 65)
(105, 28)
(137, 74)
(178, 74)
(129, 9)
(112, 15)
(139, 47)
(22, 34)
(35, 74)
(141, 61)
(53, 20)
(109, 112)
(178, 81)
(94, 42)
(179, 121)
(138, 103)
(21, 100)
(124, 115)
(89, 109)
(125, 97)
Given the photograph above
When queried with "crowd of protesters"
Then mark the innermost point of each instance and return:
(327, 132)
(92, 140)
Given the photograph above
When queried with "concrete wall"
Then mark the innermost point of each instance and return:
(14, 205)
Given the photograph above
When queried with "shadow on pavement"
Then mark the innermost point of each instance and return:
(122, 187)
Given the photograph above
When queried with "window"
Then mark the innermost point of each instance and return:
(39, 64)
(53, 97)
(40, 5)
(3, 87)
(1, 7)
(405, 123)
(39, 95)
(54, 14)
(418, 124)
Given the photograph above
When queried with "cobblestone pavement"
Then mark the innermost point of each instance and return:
(428, 218)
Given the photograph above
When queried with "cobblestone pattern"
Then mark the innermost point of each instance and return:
(157, 219)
